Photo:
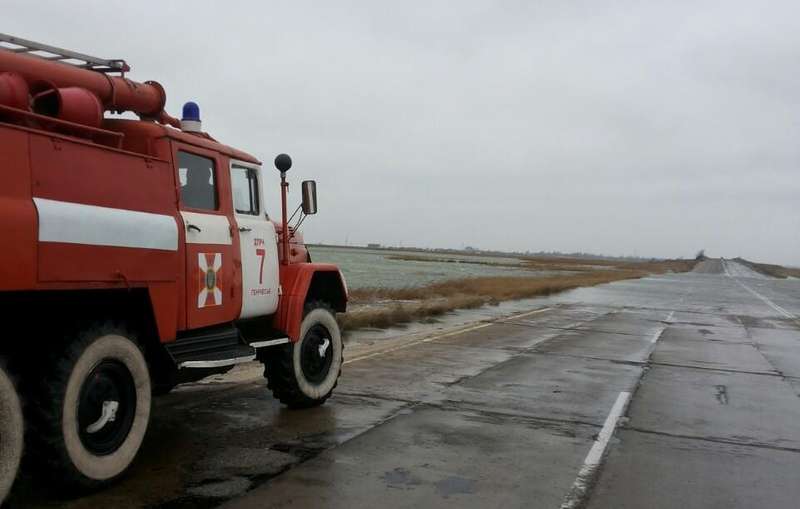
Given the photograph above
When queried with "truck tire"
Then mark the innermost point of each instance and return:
(304, 374)
(94, 408)
(11, 434)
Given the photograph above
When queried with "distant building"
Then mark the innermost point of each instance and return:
(374, 246)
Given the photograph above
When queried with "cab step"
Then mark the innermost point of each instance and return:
(210, 348)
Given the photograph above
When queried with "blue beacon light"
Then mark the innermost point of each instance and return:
(190, 120)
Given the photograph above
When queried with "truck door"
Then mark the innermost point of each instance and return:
(258, 242)
(210, 275)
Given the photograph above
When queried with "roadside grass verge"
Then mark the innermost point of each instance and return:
(383, 307)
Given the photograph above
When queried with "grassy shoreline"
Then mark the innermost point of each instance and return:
(384, 307)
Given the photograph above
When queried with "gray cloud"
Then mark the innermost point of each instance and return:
(616, 127)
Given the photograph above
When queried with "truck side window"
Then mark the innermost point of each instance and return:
(245, 190)
(198, 187)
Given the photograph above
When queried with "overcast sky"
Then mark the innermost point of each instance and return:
(623, 128)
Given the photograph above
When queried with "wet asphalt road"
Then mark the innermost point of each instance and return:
(704, 367)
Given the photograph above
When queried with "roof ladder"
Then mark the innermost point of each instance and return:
(46, 52)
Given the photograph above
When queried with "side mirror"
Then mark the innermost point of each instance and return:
(309, 197)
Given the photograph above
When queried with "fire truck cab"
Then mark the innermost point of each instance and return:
(137, 255)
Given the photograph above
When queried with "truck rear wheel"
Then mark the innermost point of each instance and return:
(94, 408)
(11, 434)
(304, 374)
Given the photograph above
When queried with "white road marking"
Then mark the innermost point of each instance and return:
(527, 313)
(440, 336)
(413, 343)
(767, 301)
(657, 335)
(576, 497)
(725, 267)
(736, 269)
(659, 332)
(756, 294)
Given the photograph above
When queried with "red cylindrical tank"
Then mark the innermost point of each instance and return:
(14, 91)
(115, 93)
(73, 104)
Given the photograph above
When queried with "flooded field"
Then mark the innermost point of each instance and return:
(383, 269)
(391, 287)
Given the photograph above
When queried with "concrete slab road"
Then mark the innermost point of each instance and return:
(677, 391)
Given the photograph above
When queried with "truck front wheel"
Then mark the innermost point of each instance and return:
(95, 408)
(303, 374)
(10, 434)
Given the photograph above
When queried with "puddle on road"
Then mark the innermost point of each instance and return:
(400, 478)
(455, 486)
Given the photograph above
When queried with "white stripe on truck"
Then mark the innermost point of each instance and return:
(77, 223)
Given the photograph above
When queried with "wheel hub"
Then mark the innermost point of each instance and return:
(316, 355)
(109, 415)
(323, 348)
(106, 407)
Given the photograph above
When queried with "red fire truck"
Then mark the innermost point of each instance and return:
(136, 255)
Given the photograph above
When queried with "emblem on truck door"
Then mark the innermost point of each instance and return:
(210, 294)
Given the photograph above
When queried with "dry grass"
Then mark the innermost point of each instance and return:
(409, 304)
(403, 312)
(771, 270)
(551, 261)
(591, 265)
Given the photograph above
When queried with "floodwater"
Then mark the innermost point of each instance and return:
(375, 268)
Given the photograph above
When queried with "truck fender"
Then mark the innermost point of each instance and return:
(306, 282)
